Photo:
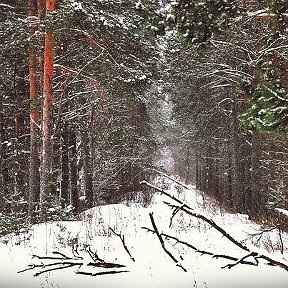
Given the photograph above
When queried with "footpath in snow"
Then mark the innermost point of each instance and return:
(148, 265)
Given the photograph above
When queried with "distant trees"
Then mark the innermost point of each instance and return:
(75, 100)
(227, 90)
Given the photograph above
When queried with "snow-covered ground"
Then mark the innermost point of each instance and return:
(152, 267)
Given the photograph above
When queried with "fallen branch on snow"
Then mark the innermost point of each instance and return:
(169, 177)
(163, 243)
(123, 243)
(202, 252)
(65, 261)
(188, 210)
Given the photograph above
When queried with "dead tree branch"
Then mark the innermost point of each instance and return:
(211, 223)
(163, 243)
(185, 208)
(240, 261)
(162, 191)
(189, 211)
(64, 262)
(169, 177)
(123, 243)
(202, 252)
(100, 273)
(94, 256)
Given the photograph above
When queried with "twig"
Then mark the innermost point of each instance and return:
(123, 243)
(67, 262)
(281, 241)
(100, 273)
(169, 177)
(7, 6)
(93, 43)
(106, 265)
(164, 192)
(173, 215)
(30, 267)
(94, 256)
(63, 266)
(61, 254)
(51, 257)
(252, 254)
(163, 243)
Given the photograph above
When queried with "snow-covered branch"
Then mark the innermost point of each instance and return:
(169, 177)
(6, 6)
(282, 211)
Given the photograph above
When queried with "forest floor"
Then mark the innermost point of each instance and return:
(148, 265)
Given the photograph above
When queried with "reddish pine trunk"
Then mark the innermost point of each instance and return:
(47, 108)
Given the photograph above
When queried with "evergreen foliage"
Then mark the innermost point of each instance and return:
(276, 197)
(197, 23)
(13, 217)
(101, 136)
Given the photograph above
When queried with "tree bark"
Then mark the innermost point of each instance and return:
(47, 109)
(34, 177)
(73, 170)
(2, 183)
(64, 191)
(87, 171)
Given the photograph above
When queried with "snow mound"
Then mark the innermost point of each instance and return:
(100, 230)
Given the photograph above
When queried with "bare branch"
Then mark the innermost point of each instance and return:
(94, 256)
(185, 208)
(6, 6)
(164, 192)
(202, 252)
(123, 243)
(188, 210)
(169, 177)
(163, 243)
(211, 223)
(100, 273)
(67, 262)
(239, 261)
(62, 266)
(93, 43)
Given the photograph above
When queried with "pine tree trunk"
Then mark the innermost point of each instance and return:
(34, 181)
(236, 162)
(64, 191)
(73, 170)
(47, 109)
(87, 171)
(2, 183)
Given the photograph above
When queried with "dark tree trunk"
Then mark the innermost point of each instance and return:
(237, 185)
(87, 171)
(2, 176)
(34, 176)
(73, 170)
(64, 185)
